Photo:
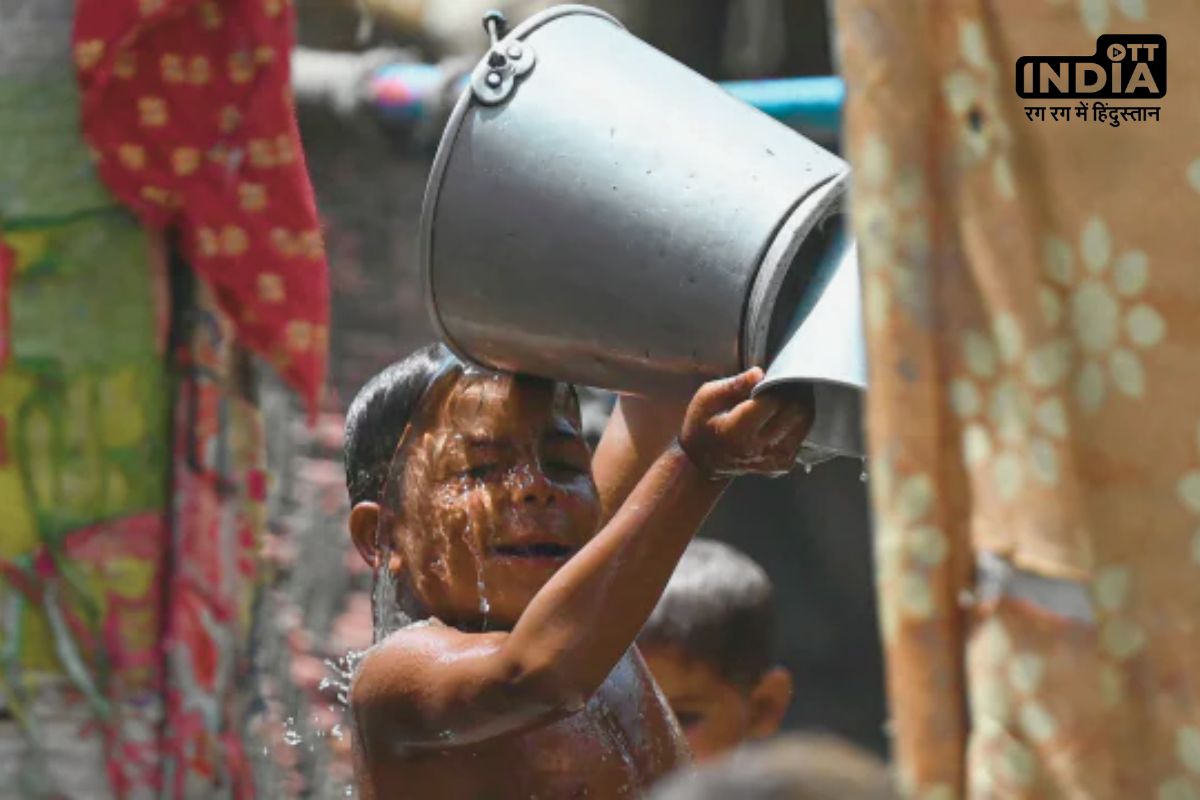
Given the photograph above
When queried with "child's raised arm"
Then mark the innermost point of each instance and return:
(440, 687)
(638, 432)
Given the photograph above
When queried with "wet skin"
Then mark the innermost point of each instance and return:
(622, 741)
(496, 486)
(530, 687)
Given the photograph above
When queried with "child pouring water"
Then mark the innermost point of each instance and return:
(473, 495)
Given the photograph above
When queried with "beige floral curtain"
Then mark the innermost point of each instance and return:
(1033, 301)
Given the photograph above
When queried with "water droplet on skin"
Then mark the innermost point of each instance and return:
(475, 545)
(484, 605)
(611, 729)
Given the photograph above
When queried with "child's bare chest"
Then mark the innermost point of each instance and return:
(618, 745)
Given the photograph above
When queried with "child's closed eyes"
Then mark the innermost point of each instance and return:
(561, 459)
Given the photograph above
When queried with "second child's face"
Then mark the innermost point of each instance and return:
(496, 494)
(715, 715)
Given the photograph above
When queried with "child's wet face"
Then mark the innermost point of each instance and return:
(497, 493)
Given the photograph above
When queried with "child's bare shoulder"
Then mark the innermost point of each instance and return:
(421, 681)
(406, 657)
(413, 640)
(415, 672)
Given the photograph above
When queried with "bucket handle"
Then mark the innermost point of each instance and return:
(496, 75)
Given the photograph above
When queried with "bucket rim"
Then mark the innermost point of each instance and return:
(822, 202)
(437, 172)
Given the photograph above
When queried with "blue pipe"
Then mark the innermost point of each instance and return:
(811, 102)
(400, 93)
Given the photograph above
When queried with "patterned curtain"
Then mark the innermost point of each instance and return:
(1033, 304)
(132, 487)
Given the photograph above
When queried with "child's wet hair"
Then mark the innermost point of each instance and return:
(717, 609)
(384, 407)
(379, 414)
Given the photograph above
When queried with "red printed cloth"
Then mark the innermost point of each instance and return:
(187, 105)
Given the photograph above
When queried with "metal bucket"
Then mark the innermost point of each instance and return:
(599, 213)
